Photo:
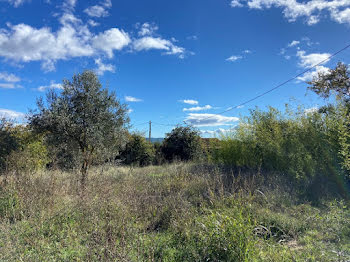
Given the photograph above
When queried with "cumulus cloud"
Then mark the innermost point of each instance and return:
(23, 43)
(198, 108)
(10, 114)
(189, 101)
(149, 42)
(309, 60)
(52, 85)
(110, 40)
(100, 10)
(96, 11)
(312, 74)
(9, 77)
(311, 11)
(101, 67)
(132, 99)
(209, 119)
(147, 29)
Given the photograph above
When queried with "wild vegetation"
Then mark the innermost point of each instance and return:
(75, 185)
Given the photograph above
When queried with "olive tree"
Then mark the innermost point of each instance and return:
(83, 117)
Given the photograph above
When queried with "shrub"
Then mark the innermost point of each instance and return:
(182, 143)
(138, 151)
(8, 142)
(302, 146)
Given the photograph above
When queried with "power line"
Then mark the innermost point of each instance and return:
(264, 93)
(280, 85)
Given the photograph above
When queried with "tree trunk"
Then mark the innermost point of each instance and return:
(83, 172)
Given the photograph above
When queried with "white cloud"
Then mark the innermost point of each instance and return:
(101, 67)
(92, 23)
(311, 110)
(198, 108)
(10, 114)
(7, 85)
(132, 99)
(342, 17)
(23, 43)
(312, 59)
(247, 51)
(110, 40)
(209, 119)
(9, 77)
(189, 101)
(293, 43)
(147, 29)
(52, 85)
(234, 58)
(236, 3)
(311, 10)
(17, 3)
(312, 74)
(96, 11)
(220, 132)
(149, 42)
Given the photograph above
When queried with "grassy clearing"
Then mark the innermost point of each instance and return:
(178, 212)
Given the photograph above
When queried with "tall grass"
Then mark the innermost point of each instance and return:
(178, 212)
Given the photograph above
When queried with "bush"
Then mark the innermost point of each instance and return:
(8, 142)
(302, 146)
(182, 143)
(31, 154)
(138, 151)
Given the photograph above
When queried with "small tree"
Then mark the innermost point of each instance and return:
(83, 117)
(182, 143)
(138, 151)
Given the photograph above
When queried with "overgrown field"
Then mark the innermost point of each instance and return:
(178, 212)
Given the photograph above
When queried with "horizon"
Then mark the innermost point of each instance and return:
(171, 61)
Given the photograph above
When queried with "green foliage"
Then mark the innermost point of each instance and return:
(8, 142)
(83, 118)
(302, 146)
(182, 143)
(31, 155)
(138, 151)
(336, 81)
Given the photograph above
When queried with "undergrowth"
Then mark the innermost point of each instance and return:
(178, 212)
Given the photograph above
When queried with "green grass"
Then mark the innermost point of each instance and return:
(179, 212)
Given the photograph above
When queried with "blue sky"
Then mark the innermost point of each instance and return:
(171, 61)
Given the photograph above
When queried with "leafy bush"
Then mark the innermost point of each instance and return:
(182, 143)
(8, 142)
(31, 154)
(303, 146)
(138, 151)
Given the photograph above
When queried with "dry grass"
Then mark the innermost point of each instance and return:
(178, 212)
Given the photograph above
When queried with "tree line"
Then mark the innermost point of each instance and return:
(85, 124)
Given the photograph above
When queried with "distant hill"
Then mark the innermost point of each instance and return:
(154, 140)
